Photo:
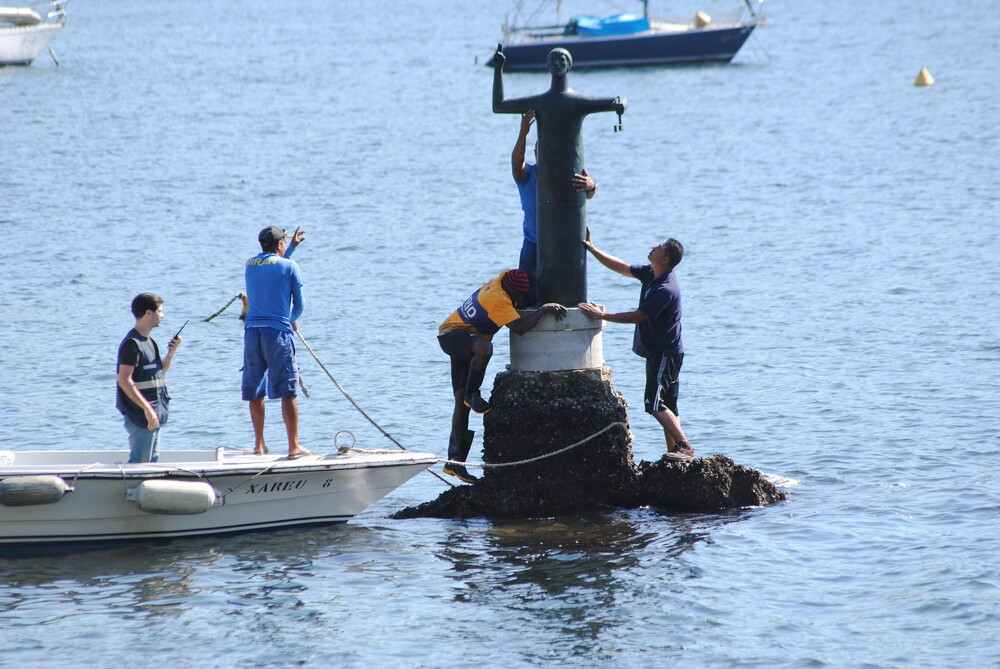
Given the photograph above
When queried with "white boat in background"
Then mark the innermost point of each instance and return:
(75, 498)
(25, 32)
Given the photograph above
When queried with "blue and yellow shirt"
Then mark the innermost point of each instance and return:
(484, 313)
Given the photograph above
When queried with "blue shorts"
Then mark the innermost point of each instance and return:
(272, 351)
(663, 372)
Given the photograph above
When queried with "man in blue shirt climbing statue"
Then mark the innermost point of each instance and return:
(526, 178)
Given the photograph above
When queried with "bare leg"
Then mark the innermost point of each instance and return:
(257, 418)
(671, 427)
(290, 413)
(482, 351)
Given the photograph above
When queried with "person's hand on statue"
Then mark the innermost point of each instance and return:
(591, 310)
(582, 183)
(526, 120)
(588, 242)
(557, 310)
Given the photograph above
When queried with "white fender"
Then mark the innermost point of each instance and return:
(28, 490)
(175, 498)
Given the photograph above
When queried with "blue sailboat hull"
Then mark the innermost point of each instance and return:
(646, 48)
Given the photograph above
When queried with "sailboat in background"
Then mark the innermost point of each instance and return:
(630, 39)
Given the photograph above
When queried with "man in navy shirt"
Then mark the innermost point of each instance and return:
(657, 333)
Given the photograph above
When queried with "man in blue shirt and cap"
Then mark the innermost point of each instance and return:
(274, 292)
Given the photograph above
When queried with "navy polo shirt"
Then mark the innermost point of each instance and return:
(660, 299)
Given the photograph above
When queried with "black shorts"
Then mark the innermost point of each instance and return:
(458, 345)
(662, 385)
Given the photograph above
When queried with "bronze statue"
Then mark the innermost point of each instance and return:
(559, 113)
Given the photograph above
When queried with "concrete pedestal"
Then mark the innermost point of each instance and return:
(557, 346)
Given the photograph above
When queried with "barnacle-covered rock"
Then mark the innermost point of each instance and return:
(538, 414)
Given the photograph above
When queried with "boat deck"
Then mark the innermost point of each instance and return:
(103, 463)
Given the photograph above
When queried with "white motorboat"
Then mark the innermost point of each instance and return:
(25, 32)
(59, 498)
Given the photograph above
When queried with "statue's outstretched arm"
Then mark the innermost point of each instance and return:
(589, 105)
(500, 105)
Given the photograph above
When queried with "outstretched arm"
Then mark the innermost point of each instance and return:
(609, 261)
(591, 310)
(528, 323)
(500, 105)
(589, 105)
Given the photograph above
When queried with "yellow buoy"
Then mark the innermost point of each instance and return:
(701, 19)
(924, 78)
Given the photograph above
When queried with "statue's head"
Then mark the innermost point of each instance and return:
(560, 61)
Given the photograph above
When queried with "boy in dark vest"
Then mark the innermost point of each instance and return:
(142, 388)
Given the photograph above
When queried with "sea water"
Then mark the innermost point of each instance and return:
(841, 312)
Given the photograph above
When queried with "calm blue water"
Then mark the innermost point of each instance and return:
(842, 303)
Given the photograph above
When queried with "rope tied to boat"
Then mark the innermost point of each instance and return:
(236, 487)
(544, 456)
(357, 406)
(515, 463)
(235, 297)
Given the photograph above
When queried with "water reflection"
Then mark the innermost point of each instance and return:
(267, 571)
(579, 576)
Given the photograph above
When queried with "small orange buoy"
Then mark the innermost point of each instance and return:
(924, 78)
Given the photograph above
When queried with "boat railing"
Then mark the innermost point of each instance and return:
(57, 14)
(722, 17)
(514, 30)
(33, 13)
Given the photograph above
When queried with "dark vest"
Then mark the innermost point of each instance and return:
(149, 380)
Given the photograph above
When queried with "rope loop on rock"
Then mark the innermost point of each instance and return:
(496, 465)
(358, 407)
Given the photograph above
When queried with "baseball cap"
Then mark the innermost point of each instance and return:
(271, 235)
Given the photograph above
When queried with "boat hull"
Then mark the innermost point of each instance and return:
(251, 494)
(650, 48)
(20, 45)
